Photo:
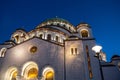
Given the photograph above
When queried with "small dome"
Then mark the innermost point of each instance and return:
(115, 56)
(83, 24)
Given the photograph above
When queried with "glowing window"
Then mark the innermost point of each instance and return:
(84, 33)
(48, 37)
(49, 75)
(17, 38)
(2, 52)
(89, 65)
(32, 73)
(14, 75)
(11, 74)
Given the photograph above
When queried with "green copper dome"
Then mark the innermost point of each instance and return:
(59, 22)
(57, 19)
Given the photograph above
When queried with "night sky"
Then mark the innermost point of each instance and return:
(102, 15)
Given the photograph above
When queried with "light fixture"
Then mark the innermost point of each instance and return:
(97, 48)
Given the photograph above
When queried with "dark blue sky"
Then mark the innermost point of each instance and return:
(102, 15)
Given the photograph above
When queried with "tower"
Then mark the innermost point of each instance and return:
(80, 61)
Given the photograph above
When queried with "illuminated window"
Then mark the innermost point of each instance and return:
(74, 51)
(48, 37)
(11, 74)
(14, 75)
(84, 33)
(89, 65)
(32, 73)
(90, 73)
(48, 74)
(2, 52)
(17, 38)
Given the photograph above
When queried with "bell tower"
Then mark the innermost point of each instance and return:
(79, 57)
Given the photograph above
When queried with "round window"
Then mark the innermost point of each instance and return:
(33, 49)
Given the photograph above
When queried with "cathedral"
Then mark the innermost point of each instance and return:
(56, 50)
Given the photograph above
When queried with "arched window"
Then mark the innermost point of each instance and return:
(48, 37)
(41, 35)
(17, 38)
(11, 74)
(48, 74)
(30, 71)
(14, 75)
(57, 38)
(2, 52)
(84, 33)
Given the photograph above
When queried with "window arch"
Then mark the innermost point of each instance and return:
(30, 70)
(17, 38)
(2, 52)
(57, 38)
(32, 73)
(84, 33)
(48, 74)
(49, 37)
(41, 36)
(11, 73)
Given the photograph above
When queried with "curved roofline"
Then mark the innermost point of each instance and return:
(56, 19)
(53, 29)
(84, 24)
(59, 26)
(21, 29)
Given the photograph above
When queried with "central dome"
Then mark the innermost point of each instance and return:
(59, 22)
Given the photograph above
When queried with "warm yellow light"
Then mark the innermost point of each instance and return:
(49, 75)
(33, 73)
(14, 74)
